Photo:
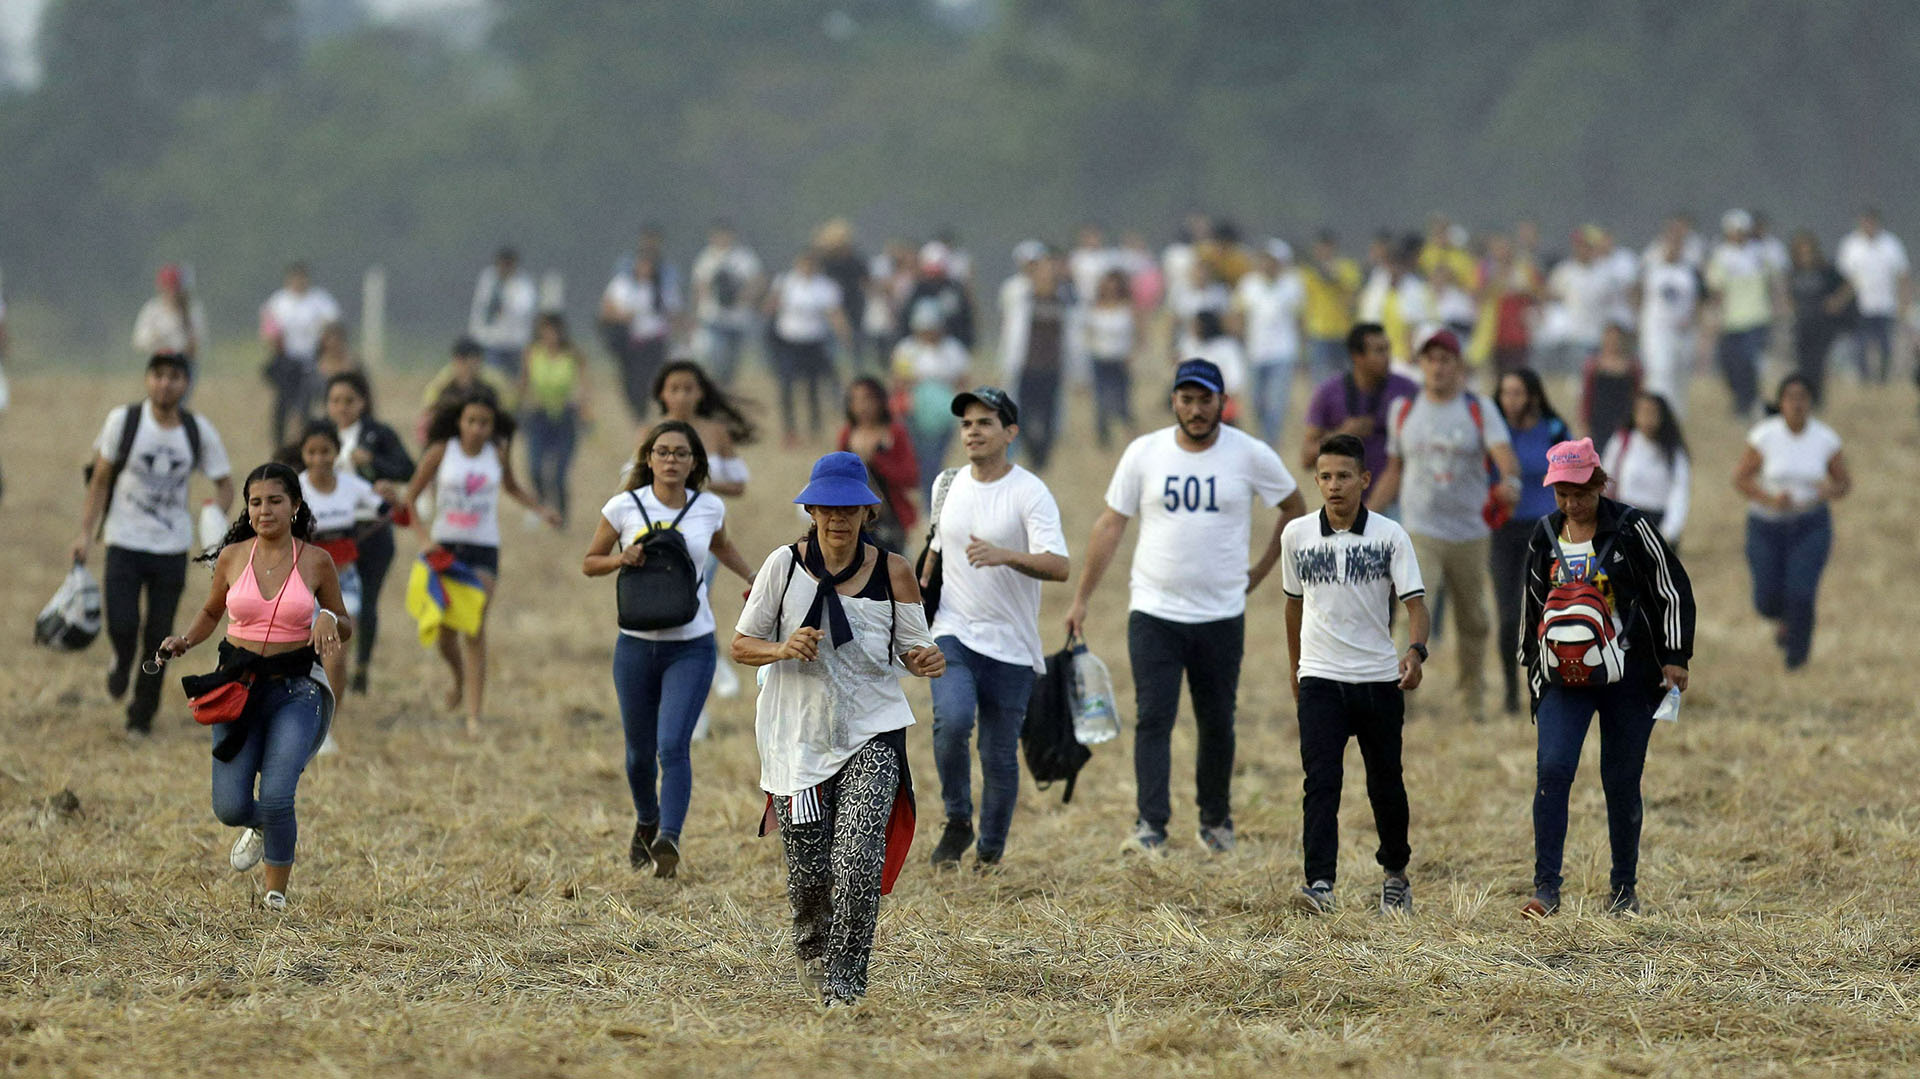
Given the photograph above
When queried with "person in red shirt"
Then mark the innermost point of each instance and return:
(882, 442)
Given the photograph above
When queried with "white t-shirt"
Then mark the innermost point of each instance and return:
(147, 509)
(704, 518)
(510, 326)
(466, 496)
(299, 318)
(1669, 297)
(646, 319)
(813, 715)
(1347, 582)
(1272, 308)
(1196, 516)
(1874, 268)
(1792, 464)
(995, 610)
(805, 303)
(1584, 290)
(1443, 463)
(1642, 478)
(351, 500)
(1621, 271)
(1109, 331)
(743, 266)
(1087, 265)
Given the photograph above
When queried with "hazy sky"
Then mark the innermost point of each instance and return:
(20, 18)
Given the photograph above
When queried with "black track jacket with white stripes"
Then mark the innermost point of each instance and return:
(1652, 595)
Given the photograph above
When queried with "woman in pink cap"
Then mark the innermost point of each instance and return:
(1607, 627)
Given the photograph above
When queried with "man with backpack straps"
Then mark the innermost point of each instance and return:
(1002, 527)
(137, 487)
(1438, 445)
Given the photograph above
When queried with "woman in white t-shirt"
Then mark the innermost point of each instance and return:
(469, 465)
(1648, 465)
(345, 508)
(661, 675)
(806, 317)
(1790, 471)
(1112, 329)
(836, 621)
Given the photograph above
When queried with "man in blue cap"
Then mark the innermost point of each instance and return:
(1193, 486)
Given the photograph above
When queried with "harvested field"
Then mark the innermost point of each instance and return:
(464, 907)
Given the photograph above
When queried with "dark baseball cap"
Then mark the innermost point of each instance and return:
(1202, 373)
(465, 345)
(170, 359)
(994, 398)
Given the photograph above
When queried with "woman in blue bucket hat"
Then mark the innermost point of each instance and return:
(837, 621)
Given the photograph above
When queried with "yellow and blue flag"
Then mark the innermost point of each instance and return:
(444, 591)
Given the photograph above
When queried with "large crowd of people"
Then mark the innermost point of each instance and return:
(1442, 469)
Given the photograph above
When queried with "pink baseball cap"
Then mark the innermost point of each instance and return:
(1571, 462)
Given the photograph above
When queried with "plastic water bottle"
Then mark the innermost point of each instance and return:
(1094, 717)
(213, 524)
(1669, 710)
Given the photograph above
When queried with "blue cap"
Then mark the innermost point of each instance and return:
(1202, 373)
(838, 479)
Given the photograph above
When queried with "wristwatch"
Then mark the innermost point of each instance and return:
(1418, 649)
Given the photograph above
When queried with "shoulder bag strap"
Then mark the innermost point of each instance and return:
(941, 485)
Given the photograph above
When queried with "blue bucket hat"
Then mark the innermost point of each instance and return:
(838, 479)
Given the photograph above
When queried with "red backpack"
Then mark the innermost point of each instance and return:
(1579, 646)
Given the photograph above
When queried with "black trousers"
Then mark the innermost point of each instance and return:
(1039, 412)
(376, 557)
(1507, 565)
(162, 576)
(1372, 714)
(1208, 653)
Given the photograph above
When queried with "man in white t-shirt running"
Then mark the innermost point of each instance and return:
(1193, 487)
(291, 322)
(1342, 569)
(1874, 262)
(149, 530)
(1438, 446)
(1003, 529)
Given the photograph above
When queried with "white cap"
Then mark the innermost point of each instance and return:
(1028, 251)
(1280, 249)
(1736, 221)
(934, 255)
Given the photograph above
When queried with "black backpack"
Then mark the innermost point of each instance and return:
(129, 430)
(664, 591)
(930, 591)
(1053, 753)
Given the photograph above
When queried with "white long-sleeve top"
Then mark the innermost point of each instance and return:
(1641, 477)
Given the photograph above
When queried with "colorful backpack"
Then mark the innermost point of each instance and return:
(1579, 646)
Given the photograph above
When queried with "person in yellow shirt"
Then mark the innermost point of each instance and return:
(1332, 283)
(1446, 245)
(553, 384)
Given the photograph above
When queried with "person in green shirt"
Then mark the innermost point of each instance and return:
(553, 389)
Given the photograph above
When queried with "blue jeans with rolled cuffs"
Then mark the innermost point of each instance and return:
(287, 729)
(992, 695)
(662, 686)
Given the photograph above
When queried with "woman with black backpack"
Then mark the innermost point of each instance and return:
(664, 526)
(1607, 626)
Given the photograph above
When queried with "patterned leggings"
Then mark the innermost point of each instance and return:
(834, 866)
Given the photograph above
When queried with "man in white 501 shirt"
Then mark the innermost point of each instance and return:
(1193, 486)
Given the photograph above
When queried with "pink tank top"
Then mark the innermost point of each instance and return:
(285, 618)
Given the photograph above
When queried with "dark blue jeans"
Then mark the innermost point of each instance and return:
(1208, 654)
(550, 445)
(1739, 356)
(662, 685)
(1626, 725)
(1873, 341)
(1112, 398)
(997, 694)
(287, 730)
(1787, 558)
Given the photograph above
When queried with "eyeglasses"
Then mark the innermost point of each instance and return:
(664, 453)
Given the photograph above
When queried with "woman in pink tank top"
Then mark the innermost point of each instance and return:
(285, 616)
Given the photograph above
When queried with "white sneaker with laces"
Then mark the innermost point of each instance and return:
(248, 849)
(276, 901)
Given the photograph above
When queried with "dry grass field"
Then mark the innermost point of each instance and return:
(464, 907)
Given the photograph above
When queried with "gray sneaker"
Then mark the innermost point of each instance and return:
(1217, 838)
(1396, 895)
(1146, 839)
(1315, 898)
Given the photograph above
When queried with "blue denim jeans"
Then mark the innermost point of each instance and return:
(1112, 398)
(286, 730)
(1626, 725)
(550, 444)
(1739, 355)
(662, 685)
(724, 345)
(1873, 347)
(1272, 391)
(996, 693)
(1787, 558)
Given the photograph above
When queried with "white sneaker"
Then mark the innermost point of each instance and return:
(726, 684)
(701, 729)
(276, 901)
(328, 747)
(247, 850)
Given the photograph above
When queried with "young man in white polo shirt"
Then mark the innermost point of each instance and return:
(1193, 486)
(1342, 569)
(999, 537)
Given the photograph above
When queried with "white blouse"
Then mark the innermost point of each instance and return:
(1642, 478)
(812, 716)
